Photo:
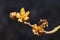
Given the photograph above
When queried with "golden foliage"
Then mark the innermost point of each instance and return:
(22, 16)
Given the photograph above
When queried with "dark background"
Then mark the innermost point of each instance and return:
(39, 9)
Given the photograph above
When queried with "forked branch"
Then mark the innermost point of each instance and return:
(22, 16)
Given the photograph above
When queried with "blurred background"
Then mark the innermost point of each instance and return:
(39, 9)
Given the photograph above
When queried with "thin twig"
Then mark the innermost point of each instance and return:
(27, 23)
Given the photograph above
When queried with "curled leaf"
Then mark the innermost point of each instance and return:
(12, 15)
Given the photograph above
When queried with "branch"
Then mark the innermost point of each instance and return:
(27, 23)
(52, 31)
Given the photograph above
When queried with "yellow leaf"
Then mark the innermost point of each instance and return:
(35, 26)
(20, 20)
(22, 11)
(26, 18)
(12, 15)
(18, 15)
(26, 14)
